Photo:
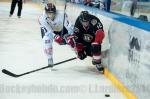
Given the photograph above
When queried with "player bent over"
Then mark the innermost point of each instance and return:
(51, 25)
(87, 38)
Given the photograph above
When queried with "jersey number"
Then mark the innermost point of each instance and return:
(43, 30)
(88, 38)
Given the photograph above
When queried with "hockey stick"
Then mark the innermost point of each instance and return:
(19, 75)
(45, 1)
(64, 17)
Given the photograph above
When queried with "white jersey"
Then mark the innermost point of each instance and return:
(56, 25)
(48, 27)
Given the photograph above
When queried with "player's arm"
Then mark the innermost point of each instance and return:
(74, 38)
(75, 41)
(99, 35)
(96, 45)
(45, 29)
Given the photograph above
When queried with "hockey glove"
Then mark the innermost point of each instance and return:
(71, 41)
(79, 48)
(59, 40)
(99, 36)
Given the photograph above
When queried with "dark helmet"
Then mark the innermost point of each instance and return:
(84, 16)
(50, 8)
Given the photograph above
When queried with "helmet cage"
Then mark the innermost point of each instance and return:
(84, 16)
(50, 8)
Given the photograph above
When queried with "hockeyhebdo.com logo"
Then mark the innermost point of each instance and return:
(56, 89)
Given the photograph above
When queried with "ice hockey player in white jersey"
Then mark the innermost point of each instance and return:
(52, 28)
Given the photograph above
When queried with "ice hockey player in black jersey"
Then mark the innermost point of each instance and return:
(87, 38)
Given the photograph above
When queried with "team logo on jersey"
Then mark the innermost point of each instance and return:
(87, 38)
(94, 22)
(76, 29)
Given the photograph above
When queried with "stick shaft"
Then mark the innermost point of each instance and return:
(48, 66)
(15, 75)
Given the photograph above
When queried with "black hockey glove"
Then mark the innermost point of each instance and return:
(79, 48)
(81, 55)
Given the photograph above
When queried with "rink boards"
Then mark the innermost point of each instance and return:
(127, 50)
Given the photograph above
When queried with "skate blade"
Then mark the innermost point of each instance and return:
(100, 69)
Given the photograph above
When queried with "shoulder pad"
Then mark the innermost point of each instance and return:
(93, 22)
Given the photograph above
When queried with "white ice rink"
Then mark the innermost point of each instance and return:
(21, 51)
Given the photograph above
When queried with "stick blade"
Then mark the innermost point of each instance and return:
(9, 73)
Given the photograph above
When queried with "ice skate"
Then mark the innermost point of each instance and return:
(50, 63)
(100, 68)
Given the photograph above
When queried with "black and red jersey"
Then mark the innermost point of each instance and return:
(87, 35)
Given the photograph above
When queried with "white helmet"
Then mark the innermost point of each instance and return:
(50, 8)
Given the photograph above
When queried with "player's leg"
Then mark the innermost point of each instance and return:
(19, 8)
(48, 48)
(13, 5)
(96, 56)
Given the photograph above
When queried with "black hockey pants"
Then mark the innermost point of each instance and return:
(13, 5)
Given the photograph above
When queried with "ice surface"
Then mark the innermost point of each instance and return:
(21, 51)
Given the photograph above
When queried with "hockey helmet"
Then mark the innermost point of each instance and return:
(50, 8)
(84, 16)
